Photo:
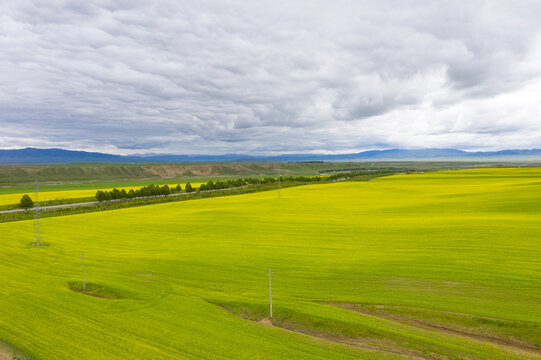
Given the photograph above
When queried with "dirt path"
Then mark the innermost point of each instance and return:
(495, 340)
(360, 343)
(10, 352)
(355, 342)
(5, 354)
(50, 207)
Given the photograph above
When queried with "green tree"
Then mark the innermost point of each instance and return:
(101, 196)
(165, 190)
(115, 194)
(155, 190)
(188, 188)
(26, 202)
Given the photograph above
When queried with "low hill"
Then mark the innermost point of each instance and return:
(60, 156)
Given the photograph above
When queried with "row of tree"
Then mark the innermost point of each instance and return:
(218, 185)
(150, 190)
(303, 179)
(156, 190)
(353, 174)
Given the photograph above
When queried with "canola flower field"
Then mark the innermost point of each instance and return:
(443, 265)
(15, 198)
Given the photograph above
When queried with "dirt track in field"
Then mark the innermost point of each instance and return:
(4, 355)
(358, 342)
(514, 344)
(355, 342)
(10, 352)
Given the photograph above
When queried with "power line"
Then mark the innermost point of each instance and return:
(83, 260)
(279, 184)
(37, 215)
(270, 293)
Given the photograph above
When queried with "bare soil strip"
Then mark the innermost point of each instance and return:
(515, 344)
(355, 342)
(9, 352)
(4, 355)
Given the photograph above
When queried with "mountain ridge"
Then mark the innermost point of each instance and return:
(61, 156)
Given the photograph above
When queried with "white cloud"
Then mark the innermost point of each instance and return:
(287, 76)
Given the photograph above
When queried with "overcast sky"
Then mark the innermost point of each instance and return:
(211, 77)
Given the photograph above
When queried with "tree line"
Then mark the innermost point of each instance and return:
(235, 183)
(145, 191)
(110, 205)
(157, 190)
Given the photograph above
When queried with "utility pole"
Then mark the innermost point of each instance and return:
(83, 258)
(279, 185)
(37, 236)
(270, 293)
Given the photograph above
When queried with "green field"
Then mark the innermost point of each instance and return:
(81, 173)
(443, 265)
(94, 186)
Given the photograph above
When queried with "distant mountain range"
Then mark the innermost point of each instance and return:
(60, 156)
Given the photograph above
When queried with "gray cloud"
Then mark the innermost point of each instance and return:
(237, 76)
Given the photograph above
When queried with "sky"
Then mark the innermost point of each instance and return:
(269, 77)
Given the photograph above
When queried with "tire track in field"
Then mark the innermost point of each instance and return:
(4, 355)
(492, 339)
(10, 352)
(354, 342)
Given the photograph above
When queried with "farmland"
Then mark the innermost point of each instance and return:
(20, 178)
(443, 265)
(66, 174)
(14, 198)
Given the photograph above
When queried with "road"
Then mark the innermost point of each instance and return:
(90, 203)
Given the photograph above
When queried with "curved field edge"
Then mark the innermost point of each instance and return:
(520, 335)
(373, 332)
(461, 244)
(10, 352)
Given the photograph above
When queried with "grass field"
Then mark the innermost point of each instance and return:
(442, 265)
(100, 185)
(24, 175)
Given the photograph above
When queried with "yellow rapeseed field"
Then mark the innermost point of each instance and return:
(8, 199)
(442, 265)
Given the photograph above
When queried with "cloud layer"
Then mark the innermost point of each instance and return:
(266, 78)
